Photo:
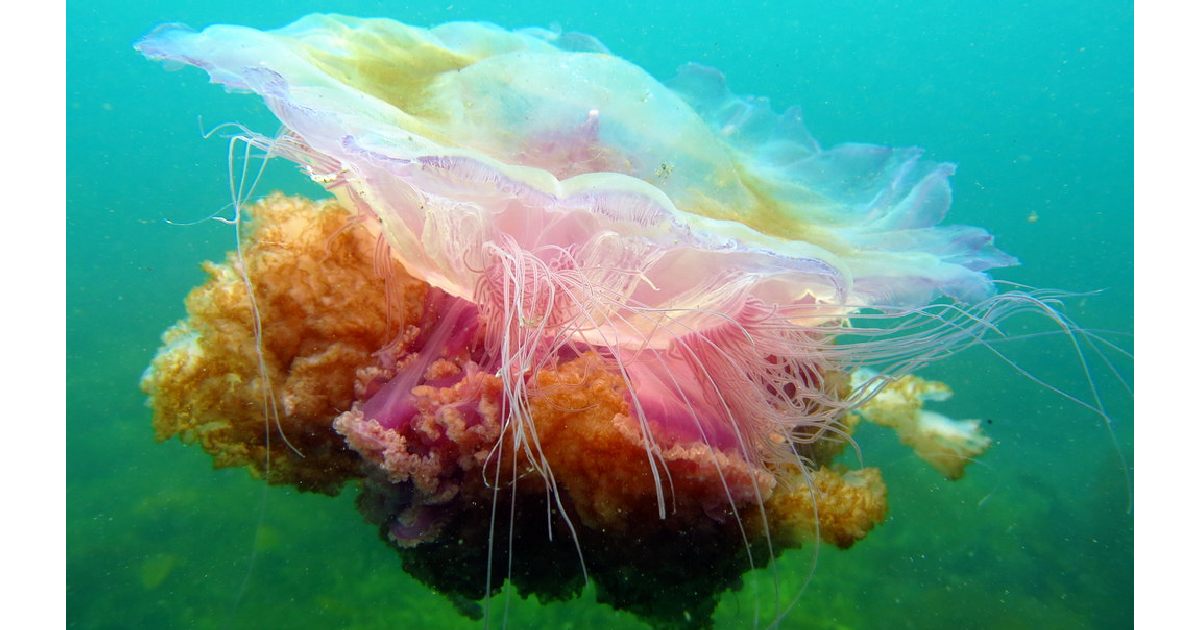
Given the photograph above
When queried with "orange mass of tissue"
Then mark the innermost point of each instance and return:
(847, 506)
(946, 444)
(324, 312)
(596, 452)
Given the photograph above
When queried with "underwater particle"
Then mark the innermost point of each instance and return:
(156, 569)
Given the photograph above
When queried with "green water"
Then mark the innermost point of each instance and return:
(1033, 101)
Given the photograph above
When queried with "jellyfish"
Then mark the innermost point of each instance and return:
(562, 319)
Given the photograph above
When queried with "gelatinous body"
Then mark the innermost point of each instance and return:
(620, 303)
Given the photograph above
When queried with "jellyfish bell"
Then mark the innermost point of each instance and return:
(616, 301)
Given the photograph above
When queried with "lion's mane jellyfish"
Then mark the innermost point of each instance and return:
(563, 322)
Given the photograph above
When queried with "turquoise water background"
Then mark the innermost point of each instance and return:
(1033, 100)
